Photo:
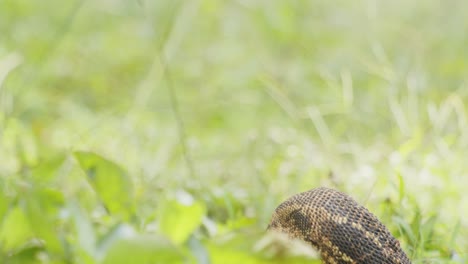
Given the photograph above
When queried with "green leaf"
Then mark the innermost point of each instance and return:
(15, 230)
(123, 246)
(178, 219)
(112, 183)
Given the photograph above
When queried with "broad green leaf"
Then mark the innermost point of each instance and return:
(179, 219)
(15, 230)
(111, 183)
(124, 246)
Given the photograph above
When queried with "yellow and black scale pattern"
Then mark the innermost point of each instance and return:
(341, 229)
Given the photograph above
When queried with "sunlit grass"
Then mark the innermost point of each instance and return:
(234, 106)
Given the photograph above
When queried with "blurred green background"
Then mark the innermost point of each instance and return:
(168, 131)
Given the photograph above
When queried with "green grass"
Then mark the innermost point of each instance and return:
(168, 131)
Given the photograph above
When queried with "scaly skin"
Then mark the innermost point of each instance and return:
(342, 230)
